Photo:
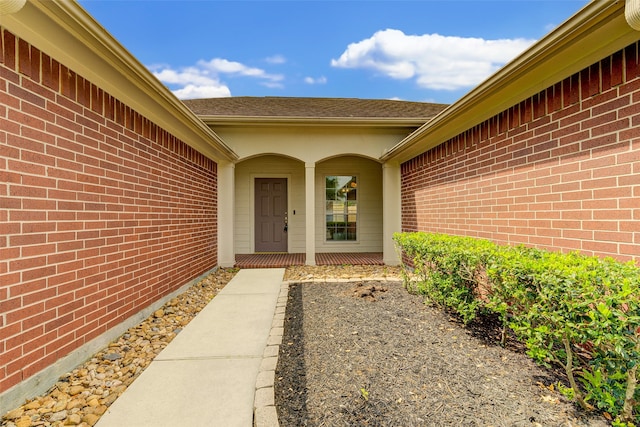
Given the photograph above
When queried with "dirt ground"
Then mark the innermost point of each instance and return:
(372, 354)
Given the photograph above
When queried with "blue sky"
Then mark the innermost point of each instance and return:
(420, 50)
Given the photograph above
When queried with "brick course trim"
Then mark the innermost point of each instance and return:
(102, 211)
(560, 170)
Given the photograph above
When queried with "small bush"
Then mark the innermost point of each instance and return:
(571, 310)
(450, 269)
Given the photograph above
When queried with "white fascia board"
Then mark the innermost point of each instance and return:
(393, 122)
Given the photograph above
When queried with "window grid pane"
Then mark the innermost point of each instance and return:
(341, 208)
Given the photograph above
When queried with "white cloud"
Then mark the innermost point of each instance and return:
(218, 65)
(276, 59)
(203, 79)
(193, 92)
(272, 85)
(191, 82)
(315, 81)
(185, 76)
(433, 60)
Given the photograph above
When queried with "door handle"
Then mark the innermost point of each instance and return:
(286, 222)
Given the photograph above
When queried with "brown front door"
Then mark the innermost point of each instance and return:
(271, 214)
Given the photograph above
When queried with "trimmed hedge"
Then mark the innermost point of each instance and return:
(576, 311)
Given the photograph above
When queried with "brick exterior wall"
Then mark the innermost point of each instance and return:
(102, 212)
(560, 170)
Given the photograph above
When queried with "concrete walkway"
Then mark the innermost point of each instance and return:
(219, 370)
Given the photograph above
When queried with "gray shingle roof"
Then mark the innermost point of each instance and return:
(247, 106)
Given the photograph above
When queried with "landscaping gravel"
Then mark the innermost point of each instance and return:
(372, 354)
(355, 352)
(82, 396)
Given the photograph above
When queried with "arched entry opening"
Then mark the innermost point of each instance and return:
(269, 205)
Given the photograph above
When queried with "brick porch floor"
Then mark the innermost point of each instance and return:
(279, 260)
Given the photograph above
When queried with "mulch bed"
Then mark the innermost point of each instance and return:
(372, 354)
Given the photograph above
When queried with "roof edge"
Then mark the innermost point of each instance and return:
(69, 34)
(227, 120)
(597, 30)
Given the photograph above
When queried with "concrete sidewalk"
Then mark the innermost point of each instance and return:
(219, 368)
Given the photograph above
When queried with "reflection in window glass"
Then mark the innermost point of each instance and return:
(341, 209)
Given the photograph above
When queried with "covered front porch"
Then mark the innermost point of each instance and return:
(308, 180)
(311, 211)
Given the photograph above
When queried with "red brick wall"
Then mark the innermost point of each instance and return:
(102, 212)
(560, 170)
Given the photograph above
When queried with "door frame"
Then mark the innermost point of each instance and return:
(252, 204)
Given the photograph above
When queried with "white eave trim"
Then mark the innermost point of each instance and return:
(598, 30)
(393, 122)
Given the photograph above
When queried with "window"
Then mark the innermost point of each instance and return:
(341, 208)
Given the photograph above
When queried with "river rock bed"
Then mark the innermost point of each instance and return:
(81, 396)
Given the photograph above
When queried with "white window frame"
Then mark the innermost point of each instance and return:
(328, 238)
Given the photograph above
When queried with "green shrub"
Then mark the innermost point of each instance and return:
(575, 311)
(450, 269)
(572, 310)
